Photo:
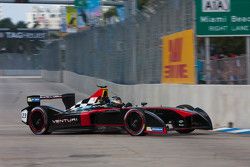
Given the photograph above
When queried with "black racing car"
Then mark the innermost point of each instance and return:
(99, 111)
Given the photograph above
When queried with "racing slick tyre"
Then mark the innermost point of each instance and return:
(38, 121)
(185, 131)
(185, 106)
(135, 122)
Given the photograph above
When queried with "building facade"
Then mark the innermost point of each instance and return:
(1, 12)
(44, 18)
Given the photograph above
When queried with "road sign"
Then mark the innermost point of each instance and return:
(222, 17)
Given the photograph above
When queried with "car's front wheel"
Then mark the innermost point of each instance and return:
(38, 121)
(135, 122)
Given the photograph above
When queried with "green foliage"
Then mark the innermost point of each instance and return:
(7, 23)
(21, 24)
(228, 45)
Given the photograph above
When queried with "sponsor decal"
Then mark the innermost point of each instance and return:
(169, 126)
(154, 129)
(157, 129)
(24, 116)
(181, 121)
(178, 58)
(66, 120)
(25, 34)
(175, 50)
(92, 100)
(33, 99)
(216, 5)
(149, 129)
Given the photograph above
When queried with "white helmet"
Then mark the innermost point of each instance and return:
(116, 101)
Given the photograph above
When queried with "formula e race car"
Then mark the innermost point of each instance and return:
(101, 112)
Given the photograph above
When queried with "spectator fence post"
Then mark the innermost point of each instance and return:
(208, 68)
(248, 58)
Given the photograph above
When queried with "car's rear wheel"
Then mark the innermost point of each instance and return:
(38, 121)
(135, 122)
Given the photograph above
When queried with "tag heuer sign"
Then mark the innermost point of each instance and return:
(23, 34)
(216, 5)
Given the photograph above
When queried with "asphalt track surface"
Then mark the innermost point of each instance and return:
(19, 147)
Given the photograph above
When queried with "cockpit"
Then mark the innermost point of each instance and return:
(99, 99)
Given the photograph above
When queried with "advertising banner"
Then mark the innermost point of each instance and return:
(121, 13)
(178, 60)
(82, 19)
(89, 12)
(94, 7)
(63, 25)
(71, 18)
(222, 17)
(24, 34)
(93, 11)
(80, 3)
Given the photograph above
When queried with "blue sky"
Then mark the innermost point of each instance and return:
(17, 12)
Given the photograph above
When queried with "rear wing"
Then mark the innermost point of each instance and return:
(67, 99)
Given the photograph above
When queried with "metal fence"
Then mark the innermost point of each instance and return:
(20, 64)
(51, 57)
(224, 71)
(128, 52)
(15, 61)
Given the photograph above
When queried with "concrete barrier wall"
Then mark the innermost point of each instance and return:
(224, 103)
(52, 76)
(20, 72)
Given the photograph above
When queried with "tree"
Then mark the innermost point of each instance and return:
(228, 45)
(21, 24)
(7, 23)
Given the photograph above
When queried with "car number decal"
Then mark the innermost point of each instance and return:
(24, 116)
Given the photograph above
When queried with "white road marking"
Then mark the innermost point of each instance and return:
(219, 129)
(240, 131)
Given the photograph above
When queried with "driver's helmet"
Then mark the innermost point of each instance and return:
(116, 101)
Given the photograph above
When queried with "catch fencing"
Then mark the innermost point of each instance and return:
(231, 71)
(128, 52)
(20, 64)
